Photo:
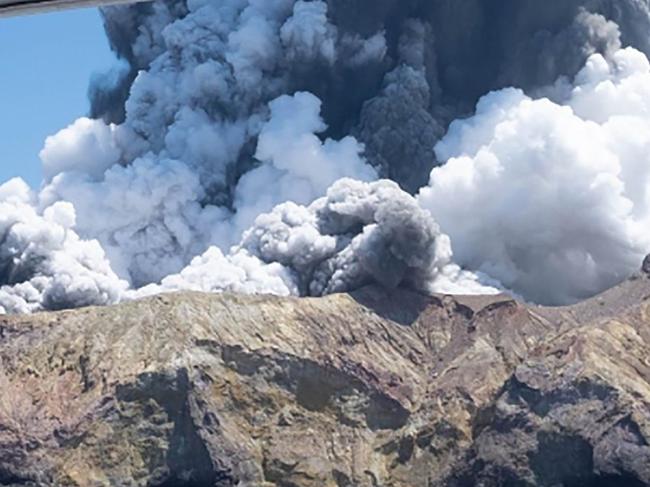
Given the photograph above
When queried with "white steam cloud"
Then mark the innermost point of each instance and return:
(552, 198)
(241, 146)
(44, 263)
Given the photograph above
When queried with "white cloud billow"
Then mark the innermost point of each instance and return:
(44, 264)
(552, 199)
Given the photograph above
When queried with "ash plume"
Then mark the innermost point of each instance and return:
(358, 234)
(250, 145)
(392, 73)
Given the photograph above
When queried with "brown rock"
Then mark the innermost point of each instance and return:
(369, 389)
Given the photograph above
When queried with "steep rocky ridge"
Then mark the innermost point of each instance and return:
(374, 388)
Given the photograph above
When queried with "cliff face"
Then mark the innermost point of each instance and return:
(368, 389)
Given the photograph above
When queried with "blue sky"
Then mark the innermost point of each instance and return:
(46, 62)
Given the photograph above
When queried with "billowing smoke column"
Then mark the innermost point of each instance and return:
(360, 233)
(239, 145)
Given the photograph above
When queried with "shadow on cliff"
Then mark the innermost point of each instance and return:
(403, 306)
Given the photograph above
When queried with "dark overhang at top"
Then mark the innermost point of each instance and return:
(22, 7)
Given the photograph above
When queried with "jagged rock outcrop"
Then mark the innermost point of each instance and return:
(375, 388)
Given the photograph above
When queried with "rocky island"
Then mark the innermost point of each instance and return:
(372, 388)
